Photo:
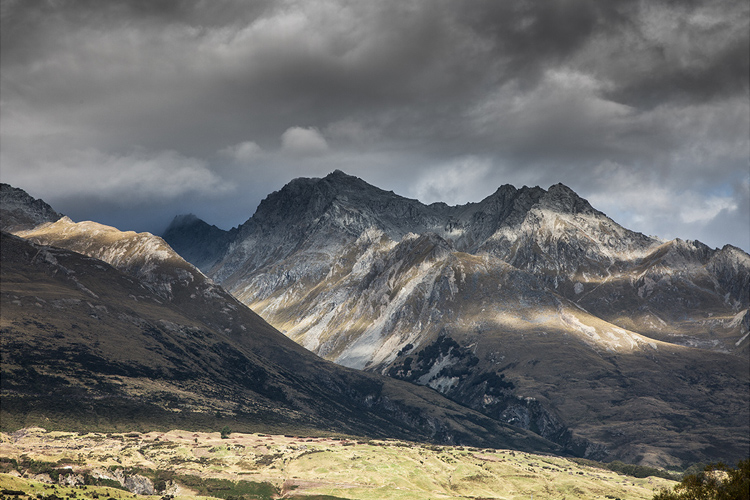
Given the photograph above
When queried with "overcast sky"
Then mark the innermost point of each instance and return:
(130, 112)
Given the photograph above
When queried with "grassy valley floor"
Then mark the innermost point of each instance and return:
(186, 464)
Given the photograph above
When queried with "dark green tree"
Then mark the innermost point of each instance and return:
(715, 482)
(225, 432)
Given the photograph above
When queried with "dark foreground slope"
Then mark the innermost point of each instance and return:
(86, 346)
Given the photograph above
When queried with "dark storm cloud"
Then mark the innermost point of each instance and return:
(218, 103)
(532, 35)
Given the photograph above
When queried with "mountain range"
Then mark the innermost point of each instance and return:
(104, 329)
(529, 320)
(530, 306)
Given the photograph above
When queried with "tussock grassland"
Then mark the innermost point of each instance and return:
(258, 466)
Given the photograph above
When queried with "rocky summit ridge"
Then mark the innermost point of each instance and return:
(530, 306)
(21, 211)
(557, 236)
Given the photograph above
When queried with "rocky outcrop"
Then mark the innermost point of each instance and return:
(139, 485)
(20, 211)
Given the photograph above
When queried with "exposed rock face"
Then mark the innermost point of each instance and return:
(70, 480)
(20, 211)
(537, 285)
(139, 485)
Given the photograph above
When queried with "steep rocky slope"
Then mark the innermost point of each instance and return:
(20, 211)
(86, 345)
(530, 306)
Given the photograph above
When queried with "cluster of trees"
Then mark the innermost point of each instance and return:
(714, 482)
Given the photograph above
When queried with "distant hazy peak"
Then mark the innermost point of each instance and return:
(19, 210)
(197, 241)
(184, 219)
(191, 222)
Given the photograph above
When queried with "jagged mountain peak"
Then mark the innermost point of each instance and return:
(339, 177)
(19, 210)
(315, 194)
(312, 196)
(335, 210)
(731, 266)
(691, 249)
(561, 198)
(735, 254)
(344, 205)
(350, 205)
(506, 206)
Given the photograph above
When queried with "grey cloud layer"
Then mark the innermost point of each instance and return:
(435, 99)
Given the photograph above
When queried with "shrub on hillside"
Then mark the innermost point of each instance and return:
(715, 482)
